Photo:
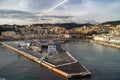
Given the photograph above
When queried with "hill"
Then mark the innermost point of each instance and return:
(65, 25)
(112, 22)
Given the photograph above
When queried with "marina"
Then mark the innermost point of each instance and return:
(52, 56)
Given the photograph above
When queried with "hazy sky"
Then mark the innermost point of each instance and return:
(58, 11)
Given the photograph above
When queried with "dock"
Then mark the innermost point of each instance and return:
(61, 62)
(106, 44)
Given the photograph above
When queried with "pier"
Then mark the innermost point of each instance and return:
(106, 44)
(61, 63)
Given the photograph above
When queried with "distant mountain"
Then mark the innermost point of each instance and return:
(72, 25)
(112, 22)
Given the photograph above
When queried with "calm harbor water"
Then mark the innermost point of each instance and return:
(102, 61)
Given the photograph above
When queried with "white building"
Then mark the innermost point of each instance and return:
(101, 38)
(107, 38)
(115, 40)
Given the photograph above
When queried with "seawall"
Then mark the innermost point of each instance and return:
(106, 44)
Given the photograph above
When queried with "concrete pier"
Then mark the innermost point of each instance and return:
(106, 44)
(69, 69)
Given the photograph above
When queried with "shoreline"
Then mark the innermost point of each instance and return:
(59, 39)
(106, 44)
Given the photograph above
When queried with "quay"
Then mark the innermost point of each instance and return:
(61, 63)
(106, 44)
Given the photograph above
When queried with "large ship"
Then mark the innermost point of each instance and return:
(50, 54)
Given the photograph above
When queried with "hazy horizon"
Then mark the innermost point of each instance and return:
(58, 11)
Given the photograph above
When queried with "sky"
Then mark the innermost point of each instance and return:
(58, 11)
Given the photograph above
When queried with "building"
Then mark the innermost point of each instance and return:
(101, 38)
(67, 36)
(8, 34)
(115, 31)
(114, 40)
(106, 38)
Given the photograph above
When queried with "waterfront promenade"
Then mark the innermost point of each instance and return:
(106, 44)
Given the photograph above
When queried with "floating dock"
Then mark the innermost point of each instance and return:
(60, 62)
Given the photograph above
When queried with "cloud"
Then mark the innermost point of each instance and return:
(54, 11)
(57, 5)
(14, 4)
(101, 11)
(40, 5)
(91, 10)
(17, 17)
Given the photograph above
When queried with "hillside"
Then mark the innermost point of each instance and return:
(112, 22)
(65, 25)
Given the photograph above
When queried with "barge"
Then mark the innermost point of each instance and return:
(52, 56)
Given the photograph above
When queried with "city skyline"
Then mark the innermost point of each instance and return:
(58, 11)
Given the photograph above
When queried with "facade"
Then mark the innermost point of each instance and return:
(114, 40)
(8, 34)
(106, 38)
(101, 38)
(115, 31)
(67, 36)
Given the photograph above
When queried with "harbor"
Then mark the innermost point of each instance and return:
(56, 59)
(100, 60)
